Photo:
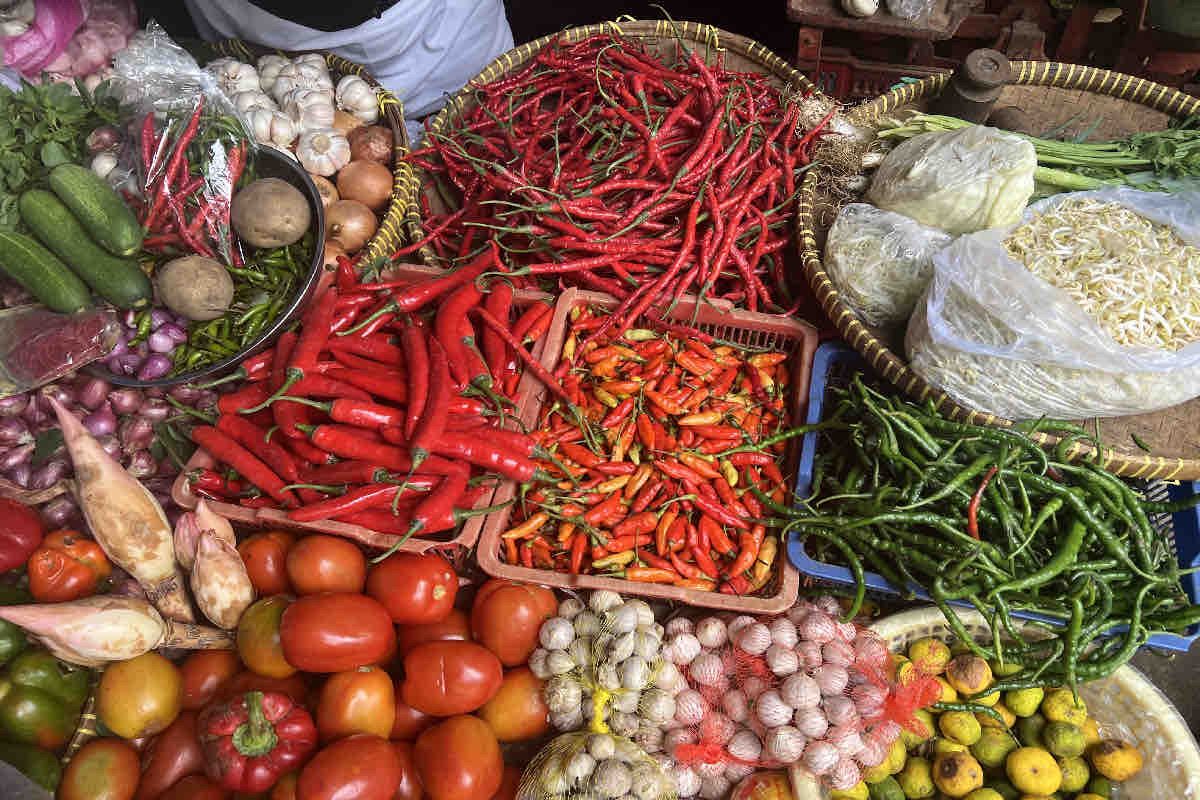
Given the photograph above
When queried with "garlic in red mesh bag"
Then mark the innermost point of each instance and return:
(804, 689)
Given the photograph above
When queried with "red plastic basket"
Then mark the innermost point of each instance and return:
(798, 338)
(465, 537)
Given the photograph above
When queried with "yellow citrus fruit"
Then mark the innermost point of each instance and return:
(898, 661)
(1033, 771)
(941, 746)
(924, 721)
(858, 791)
(1024, 702)
(993, 747)
(984, 794)
(969, 674)
(1075, 773)
(957, 774)
(1116, 760)
(897, 756)
(961, 726)
(1091, 732)
(930, 656)
(1007, 718)
(877, 773)
(1063, 739)
(989, 699)
(1004, 670)
(948, 693)
(916, 779)
(1060, 705)
(1088, 796)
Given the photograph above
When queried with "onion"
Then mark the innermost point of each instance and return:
(92, 393)
(101, 422)
(154, 367)
(351, 223)
(14, 456)
(120, 348)
(142, 464)
(128, 364)
(155, 409)
(13, 406)
(174, 331)
(129, 319)
(333, 251)
(159, 342)
(49, 474)
(160, 317)
(344, 122)
(371, 143)
(106, 137)
(125, 401)
(59, 511)
(368, 182)
(185, 393)
(20, 474)
(135, 433)
(325, 188)
(59, 393)
(13, 431)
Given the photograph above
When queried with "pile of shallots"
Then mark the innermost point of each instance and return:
(802, 688)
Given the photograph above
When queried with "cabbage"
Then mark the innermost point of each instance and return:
(959, 181)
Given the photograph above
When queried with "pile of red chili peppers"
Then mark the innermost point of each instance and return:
(186, 201)
(600, 165)
(674, 463)
(377, 414)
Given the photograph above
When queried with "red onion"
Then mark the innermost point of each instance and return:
(160, 317)
(125, 401)
(59, 393)
(142, 464)
(185, 393)
(135, 433)
(127, 364)
(13, 406)
(101, 422)
(20, 474)
(60, 511)
(154, 391)
(14, 456)
(13, 431)
(37, 411)
(155, 409)
(129, 319)
(160, 342)
(105, 137)
(92, 392)
(177, 334)
(111, 445)
(49, 474)
(154, 367)
(141, 348)
(119, 349)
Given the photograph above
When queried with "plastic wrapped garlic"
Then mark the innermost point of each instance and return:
(580, 766)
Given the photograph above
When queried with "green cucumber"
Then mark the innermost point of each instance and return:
(46, 278)
(97, 205)
(120, 281)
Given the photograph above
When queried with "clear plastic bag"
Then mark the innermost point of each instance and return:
(38, 346)
(191, 147)
(957, 181)
(46, 37)
(911, 10)
(881, 261)
(998, 338)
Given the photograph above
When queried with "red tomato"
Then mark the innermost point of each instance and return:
(196, 787)
(415, 589)
(294, 686)
(446, 678)
(258, 638)
(356, 768)
(265, 557)
(508, 784)
(507, 617)
(518, 711)
(455, 627)
(358, 701)
(285, 787)
(409, 722)
(171, 756)
(410, 782)
(336, 632)
(103, 769)
(326, 564)
(459, 759)
(203, 672)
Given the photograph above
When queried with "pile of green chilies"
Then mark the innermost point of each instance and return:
(900, 490)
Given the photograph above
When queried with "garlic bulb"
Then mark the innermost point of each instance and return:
(873, 751)
(783, 632)
(622, 647)
(323, 152)
(569, 720)
(645, 614)
(860, 8)
(569, 607)
(771, 710)
(870, 650)
(647, 781)
(669, 678)
(678, 625)
(623, 618)
(272, 127)
(579, 766)
(682, 649)
(820, 757)
(716, 727)
(562, 694)
(737, 623)
(811, 722)
(292, 77)
(355, 95)
(635, 673)
(586, 624)
(607, 677)
(604, 600)
(846, 774)
(800, 691)
(846, 739)
(601, 746)
(646, 644)
(735, 705)
(817, 626)
(754, 686)
(268, 70)
(745, 745)
(711, 632)
(785, 744)
(687, 782)
(311, 108)
(658, 707)
(559, 662)
(612, 778)
(715, 788)
(314, 61)
(868, 699)
(839, 710)
(690, 707)
(707, 670)
(249, 100)
(832, 679)
(538, 663)
(649, 737)
(781, 660)
(233, 76)
(556, 634)
(735, 772)
(622, 723)
(580, 651)
(809, 654)
(710, 769)
(676, 737)
(754, 639)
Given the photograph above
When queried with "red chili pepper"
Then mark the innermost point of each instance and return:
(679, 472)
(720, 514)
(580, 455)
(750, 459)
(344, 472)
(682, 567)
(605, 509)
(578, 549)
(376, 348)
(234, 402)
(416, 357)
(362, 498)
(645, 522)
(973, 506)
(345, 442)
(254, 438)
(213, 483)
(410, 297)
(737, 584)
(436, 511)
(619, 413)
(432, 425)
(314, 333)
(253, 369)
(490, 455)
(531, 363)
(499, 305)
(705, 563)
(248, 465)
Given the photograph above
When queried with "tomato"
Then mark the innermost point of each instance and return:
(507, 617)
(265, 557)
(336, 632)
(517, 712)
(410, 782)
(459, 759)
(358, 701)
(258, 638)
(409, 722)
(196, 787)
(508, 784)
(203, 672)
(455, 627)
(285, 787)
(139, 697)
(415, 589)
(445, 678)
(355, 768)
(294, 686)
(326, 564)
(103, 769)
(172, 755)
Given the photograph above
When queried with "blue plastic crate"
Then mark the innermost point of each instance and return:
(834, 364)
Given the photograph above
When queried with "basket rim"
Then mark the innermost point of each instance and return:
(892, 366)
(696, 32)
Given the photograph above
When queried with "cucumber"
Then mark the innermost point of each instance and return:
(97, 205)
(120, 281)
(46, 278)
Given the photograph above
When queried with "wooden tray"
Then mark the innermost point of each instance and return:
(1075, 98)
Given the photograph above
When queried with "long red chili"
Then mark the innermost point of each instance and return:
(360, 499)
(254, 438)
(976, 499)
(536, 368)
(432, 424)
(486, 454)
(416, 357)
(314, 333)
(498, 304)
(248, 465)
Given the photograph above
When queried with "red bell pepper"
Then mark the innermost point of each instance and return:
(21, 533)
(253, 740)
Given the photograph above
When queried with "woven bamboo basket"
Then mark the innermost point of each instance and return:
(1073, 100)
(661, 36)
(402, 219)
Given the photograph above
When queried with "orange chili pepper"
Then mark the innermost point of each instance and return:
(620, 387)
(510, 551)
(638, 480)
(700, 466)
(578, 550)
(650, 575)
(702, 418)
(696, 584)
(663, 528)
(565, 531)
(696, 399)
(624, 440)
(749, 543)
(606, 368)
(645, 428)
(717, 537)
(638, 524)
(666, 404)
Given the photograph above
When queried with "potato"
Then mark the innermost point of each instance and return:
(196, 287)
(270, 213)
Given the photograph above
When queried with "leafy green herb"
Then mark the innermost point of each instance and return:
(45, 445)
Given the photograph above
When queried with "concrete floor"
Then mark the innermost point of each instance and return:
(1176, 675)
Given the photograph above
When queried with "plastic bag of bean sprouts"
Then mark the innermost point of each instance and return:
(1089, 306)
(804, 688)
(594, 766)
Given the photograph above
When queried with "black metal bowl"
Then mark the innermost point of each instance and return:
(269, 163)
